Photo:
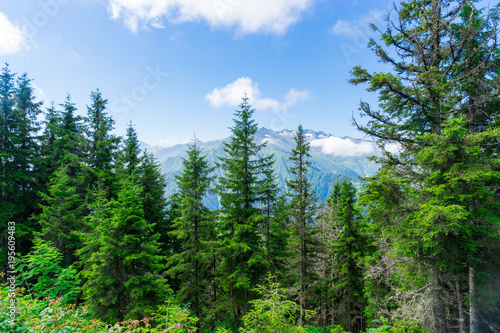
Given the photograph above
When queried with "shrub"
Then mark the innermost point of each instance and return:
(273, 312)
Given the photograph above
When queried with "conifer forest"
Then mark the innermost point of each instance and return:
(91, 243)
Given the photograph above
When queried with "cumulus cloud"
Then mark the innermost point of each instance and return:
(355, 28)
(12, 38)
(231, 95)
(255, 16)
(344, 147)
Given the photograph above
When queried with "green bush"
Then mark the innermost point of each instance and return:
(273, 312)
(397, 326)
(52, 315)
(41, 274)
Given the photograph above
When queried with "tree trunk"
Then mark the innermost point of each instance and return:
(349, 319)
(438, 306)
(474, 327)
(461, 314)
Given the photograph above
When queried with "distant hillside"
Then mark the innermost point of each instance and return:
(331, 156)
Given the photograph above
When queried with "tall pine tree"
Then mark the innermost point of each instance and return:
(101, 146)
(302, 212)
(62, 214)
(121, 257)
(348, 250)
(239, 191)
(194, 230)
(18, 157)
(444, 62)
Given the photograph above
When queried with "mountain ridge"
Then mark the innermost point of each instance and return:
(331, 156)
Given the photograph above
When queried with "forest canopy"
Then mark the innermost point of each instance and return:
(90, 241)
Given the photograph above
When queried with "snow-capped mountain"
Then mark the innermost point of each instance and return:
(331, 156)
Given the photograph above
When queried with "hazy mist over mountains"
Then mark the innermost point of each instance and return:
(331, 156)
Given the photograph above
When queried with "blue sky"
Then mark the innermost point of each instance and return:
(178, 67)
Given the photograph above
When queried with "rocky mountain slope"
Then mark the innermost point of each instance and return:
(331, 157)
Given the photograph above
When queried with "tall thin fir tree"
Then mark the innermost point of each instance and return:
(62, 214)
(193, 228)
(131, 151)
(302, 211)
(18, 158)
(155, 202)
(130, 162)
(61, 144)
(48, 156)
(7, 148)
(238, 189)
(347, 251)
(101, 145)
(72, 140)
(274, 220)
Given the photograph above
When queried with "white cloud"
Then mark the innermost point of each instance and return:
(39, 94)
(248, 16)
(355, 28)
(345, 28)
(344, 147)
(231, 95)
(393, 148)
(12, 38)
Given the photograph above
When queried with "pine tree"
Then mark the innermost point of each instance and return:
(153, 182)
(274, 216)
(193, 229)
(131, 151)
(461, 189)
(101, 145)
(439, 72)
(155, 203)
(18, 156)
(48, 158)
(239, 190)
(302, 211)
(348, 250)
(71, 139)
(61, 216)
(61, 143)
(7, 205)
(121, 260)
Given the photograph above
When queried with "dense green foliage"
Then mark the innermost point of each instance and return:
(195, 232)
(415, 249)
(239, 242)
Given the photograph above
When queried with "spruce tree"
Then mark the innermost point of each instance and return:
(121, 258)
(100, 146)
(193, 229)
(131, 151)
(18, 156)
(240, 243)
(445, 65)
(61, 216)
(302, 212)
(71, 139)
(48, 158)
(61, 143)
(274, 220)
(7, 205)
(155, 203)
(153, 182)
(348, 250)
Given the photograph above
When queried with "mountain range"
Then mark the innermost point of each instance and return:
(331, 156)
